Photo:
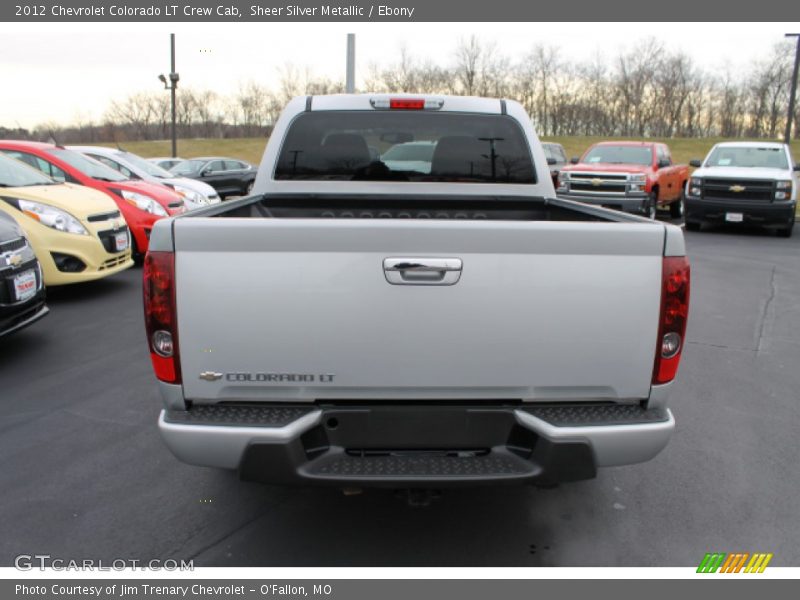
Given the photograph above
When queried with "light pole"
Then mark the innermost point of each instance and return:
(350, 71)
(792, 93)
(172, 86)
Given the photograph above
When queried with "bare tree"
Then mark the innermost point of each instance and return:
(644, 91)
(468, 55)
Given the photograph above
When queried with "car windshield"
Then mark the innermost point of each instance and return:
(379, 146)
(150, 168)
(187, 167)
(14, 173)
(748, 156)
(550, 152)
(87, 166)
(618, 155)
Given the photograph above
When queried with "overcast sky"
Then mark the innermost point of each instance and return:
(59, 72)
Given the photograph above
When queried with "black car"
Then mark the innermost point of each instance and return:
(229, 176)
(556, 159)
(21, 284)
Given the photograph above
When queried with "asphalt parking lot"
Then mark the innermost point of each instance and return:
(85, 475)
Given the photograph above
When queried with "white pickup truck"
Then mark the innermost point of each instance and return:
(750, 183)
(413, 326)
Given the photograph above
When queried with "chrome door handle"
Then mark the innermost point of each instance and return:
(422, 271)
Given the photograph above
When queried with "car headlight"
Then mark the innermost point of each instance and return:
(189, 194)
(562, 177)
(143, 202)
(695, 186)
(50, 216)
(638, 178)
(785, 190)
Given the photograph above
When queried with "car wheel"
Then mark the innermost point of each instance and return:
(651, 208)
(138, 257)
(676, 208)
(692, 226)
(249, 188)
(786, 231)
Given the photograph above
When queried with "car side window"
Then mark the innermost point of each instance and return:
(215, 165)
(561, 154)
(40, 164)
(233, 165)
(665, 154)
(115, 165)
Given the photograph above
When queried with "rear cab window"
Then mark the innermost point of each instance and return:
(405, 146)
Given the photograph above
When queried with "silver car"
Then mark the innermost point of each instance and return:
(195, 193)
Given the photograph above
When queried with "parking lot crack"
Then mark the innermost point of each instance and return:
(773, 291)
(720, 346)
(227, 535)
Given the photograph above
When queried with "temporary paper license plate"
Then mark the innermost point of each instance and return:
(25, 285)
(734, 217)
(121, 241)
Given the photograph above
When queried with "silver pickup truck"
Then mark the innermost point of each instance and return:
(440, 320)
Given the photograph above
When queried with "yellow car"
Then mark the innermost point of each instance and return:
(78, 234)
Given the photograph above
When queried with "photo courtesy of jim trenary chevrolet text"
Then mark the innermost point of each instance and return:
(401, 299)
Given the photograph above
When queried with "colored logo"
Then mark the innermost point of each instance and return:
(737, 188)
(738, 562)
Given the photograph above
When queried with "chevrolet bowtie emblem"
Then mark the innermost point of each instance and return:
(596, 182)
(15, 259)
(210, 376)
(737, 188)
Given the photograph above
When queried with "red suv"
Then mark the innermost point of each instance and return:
(140, 202)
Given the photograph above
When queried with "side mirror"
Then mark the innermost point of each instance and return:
(575, 160)
(696, 162)
(551, 161)
(663, 163)
(206, 172)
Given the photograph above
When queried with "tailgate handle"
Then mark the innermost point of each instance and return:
(422, 271)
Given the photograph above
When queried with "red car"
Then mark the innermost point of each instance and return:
(637, 177)
(140, 202)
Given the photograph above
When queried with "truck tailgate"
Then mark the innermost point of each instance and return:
(301, 310)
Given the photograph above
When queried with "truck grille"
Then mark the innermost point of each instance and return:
(604, 187)
(605, 176)
(598, 183)
(729, 189)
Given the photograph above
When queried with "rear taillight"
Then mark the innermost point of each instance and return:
(160, 317)
(673, 317)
